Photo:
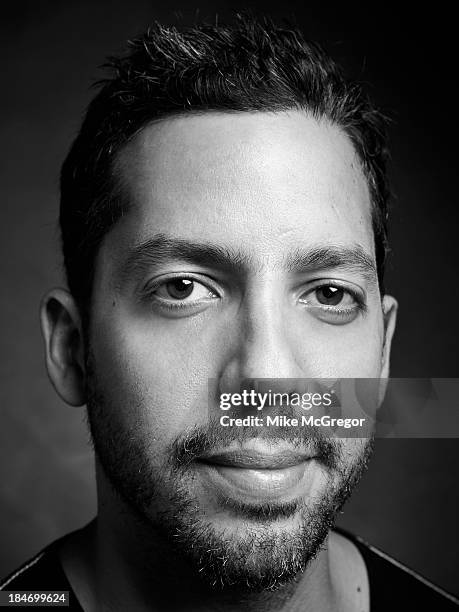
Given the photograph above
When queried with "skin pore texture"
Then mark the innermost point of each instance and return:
(235, 223)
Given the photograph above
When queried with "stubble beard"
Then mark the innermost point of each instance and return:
(261, 555)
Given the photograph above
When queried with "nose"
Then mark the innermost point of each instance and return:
(265, 343)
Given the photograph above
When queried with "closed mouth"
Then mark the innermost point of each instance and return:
(255, 459)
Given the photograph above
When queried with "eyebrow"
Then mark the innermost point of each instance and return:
(353, 259)
(162, 249)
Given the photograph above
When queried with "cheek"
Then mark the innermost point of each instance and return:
(354, 451)
(154, 381)
(342, 355)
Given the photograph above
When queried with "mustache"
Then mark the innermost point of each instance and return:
(200, 440)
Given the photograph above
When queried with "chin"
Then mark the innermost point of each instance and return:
(259, 554)
(248, 547)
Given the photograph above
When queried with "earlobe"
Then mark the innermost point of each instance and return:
(64, 345)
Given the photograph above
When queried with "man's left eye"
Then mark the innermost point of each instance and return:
(330, 296)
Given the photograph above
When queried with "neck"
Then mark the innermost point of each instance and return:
(136, 567)
(125, 567)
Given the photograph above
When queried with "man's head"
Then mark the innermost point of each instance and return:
(223, 218)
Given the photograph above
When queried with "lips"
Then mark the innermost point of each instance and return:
(258, 473)
(256, 460)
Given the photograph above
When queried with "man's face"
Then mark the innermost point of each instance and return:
(246, 252)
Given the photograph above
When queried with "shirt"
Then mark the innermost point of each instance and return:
(393, 586)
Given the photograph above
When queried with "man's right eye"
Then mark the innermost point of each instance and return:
(182, 288)
(180, 292)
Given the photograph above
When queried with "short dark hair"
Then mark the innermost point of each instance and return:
(251, 65)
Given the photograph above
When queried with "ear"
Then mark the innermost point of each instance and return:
(389, 307)
(62, 333)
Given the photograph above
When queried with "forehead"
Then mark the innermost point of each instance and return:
(264, 182)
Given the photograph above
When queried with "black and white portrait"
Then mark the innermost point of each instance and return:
(205, 208)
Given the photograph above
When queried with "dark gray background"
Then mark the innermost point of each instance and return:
(408, 502)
